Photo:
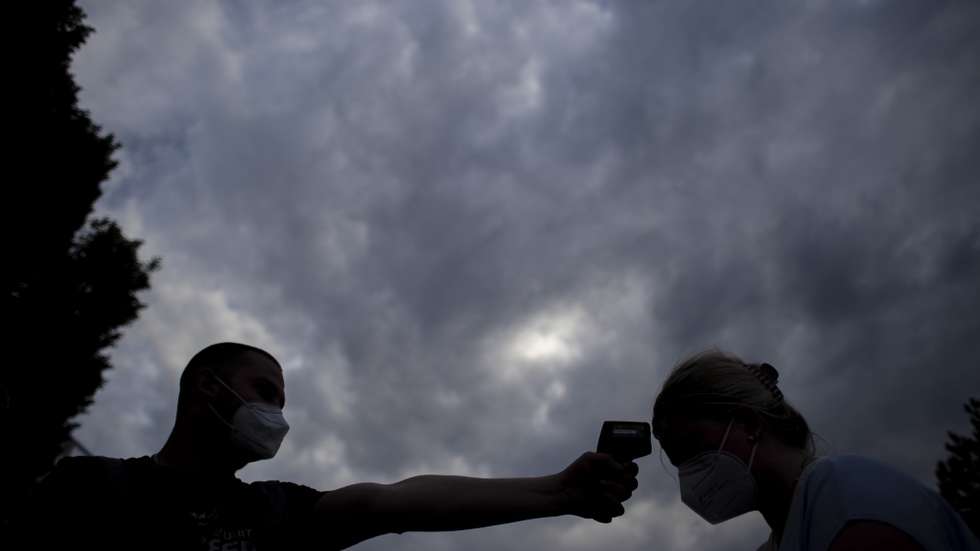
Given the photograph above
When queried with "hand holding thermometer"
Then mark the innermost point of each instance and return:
(624, 440)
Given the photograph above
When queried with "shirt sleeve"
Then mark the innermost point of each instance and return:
(292, 505)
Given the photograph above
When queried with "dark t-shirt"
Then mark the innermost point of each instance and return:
(138, 504)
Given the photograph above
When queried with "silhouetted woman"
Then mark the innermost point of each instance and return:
(739, 446)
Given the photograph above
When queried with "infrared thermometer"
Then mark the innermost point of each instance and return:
(624, 440)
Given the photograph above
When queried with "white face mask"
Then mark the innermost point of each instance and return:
(718, 485)
(257, 428)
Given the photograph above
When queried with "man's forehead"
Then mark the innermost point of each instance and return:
(253, 364)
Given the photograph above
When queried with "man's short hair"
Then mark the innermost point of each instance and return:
(221, 358)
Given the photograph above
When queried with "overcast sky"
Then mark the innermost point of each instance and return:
(471, 231)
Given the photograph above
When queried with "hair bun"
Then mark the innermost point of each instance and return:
(769, 372)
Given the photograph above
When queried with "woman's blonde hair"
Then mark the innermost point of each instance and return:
(715, 385)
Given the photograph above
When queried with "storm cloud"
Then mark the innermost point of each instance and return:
(471, 231)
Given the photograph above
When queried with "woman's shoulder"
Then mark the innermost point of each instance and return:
(847, 487)
(856, 473)
(844, 488)
(850, 462)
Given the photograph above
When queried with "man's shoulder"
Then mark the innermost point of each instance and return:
(93, 469)
(78, 486)
(288, 497)
(97, 462)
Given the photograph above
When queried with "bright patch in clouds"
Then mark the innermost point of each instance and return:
(546, 341)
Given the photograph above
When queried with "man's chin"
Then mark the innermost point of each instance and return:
(241, 462)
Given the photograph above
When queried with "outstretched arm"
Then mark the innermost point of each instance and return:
(594, 486)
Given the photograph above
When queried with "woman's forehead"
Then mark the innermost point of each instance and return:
(675, 423)
(682, 436)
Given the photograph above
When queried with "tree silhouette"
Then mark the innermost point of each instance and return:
(959, 475)
(67, 286)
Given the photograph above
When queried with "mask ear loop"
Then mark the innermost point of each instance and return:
(222, 419)
(721, 447)
(725, 438)
(227, 386)
(215, 411)
(755, 446)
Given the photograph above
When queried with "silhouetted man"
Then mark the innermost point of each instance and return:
(229, 413)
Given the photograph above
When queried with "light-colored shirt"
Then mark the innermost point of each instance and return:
(835, 490)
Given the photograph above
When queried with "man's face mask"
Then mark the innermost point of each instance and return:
(257, 428)
(717, 484)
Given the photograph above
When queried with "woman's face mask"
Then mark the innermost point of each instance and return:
(257, 428)
(718, 485)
